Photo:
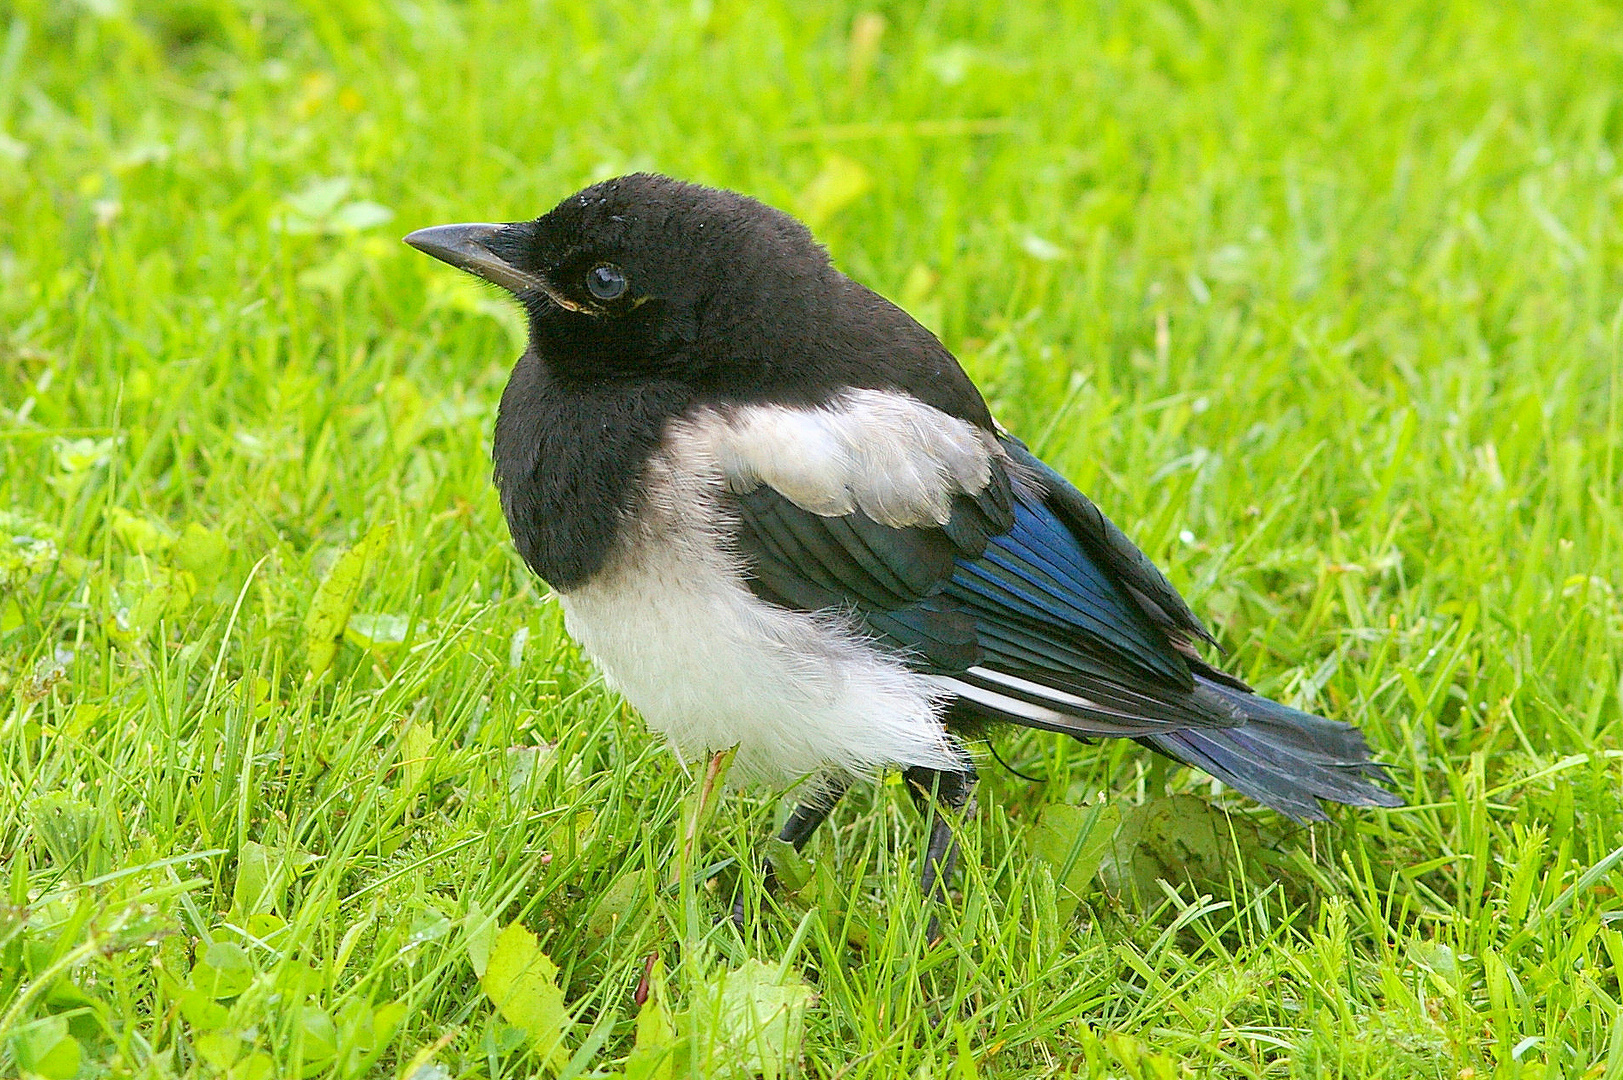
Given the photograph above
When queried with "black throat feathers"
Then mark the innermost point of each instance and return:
(570, 459)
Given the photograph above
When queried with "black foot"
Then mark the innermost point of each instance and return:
(933, 791)
(803, 821)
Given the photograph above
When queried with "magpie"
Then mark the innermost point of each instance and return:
(779, 516)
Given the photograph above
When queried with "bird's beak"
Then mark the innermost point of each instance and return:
(464, 247)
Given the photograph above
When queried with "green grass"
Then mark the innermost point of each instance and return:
(1321, 302)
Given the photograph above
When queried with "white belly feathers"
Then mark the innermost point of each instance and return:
(673, 626)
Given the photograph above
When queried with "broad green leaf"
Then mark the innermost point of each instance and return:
(416, 752)
(201, 1011)
(320, 1039)
(82, 717)
(335, 597)
(139, 533)
(295, 978)
(963, 1066)
(1182, 839)
(503, 1038)
(365, 1032)
(254, 893)
(13, 918)
(263, 925)
(64, 994)
(319, 197)
(164, 594)
(523, 985)
(263, 875)
(78, 455)
(219, 1048)
(45, 1048)
(70, 828)
(429, 925)
(1038, 248)
(478, 937)
(256, 1066)
(1073, 841)
(11, 615)
(619, 901)
(525, 763)
(202, 552)
(224, 971)
(1139, 1060)
(321, 207)
(1439, 960)
(360, 214)
(750, 1022)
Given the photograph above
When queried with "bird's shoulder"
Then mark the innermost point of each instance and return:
(885, 347)
(899, 460)
(806, 349)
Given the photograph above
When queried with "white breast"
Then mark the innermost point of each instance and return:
(674, 628)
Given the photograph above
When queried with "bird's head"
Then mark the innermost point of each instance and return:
(646, 276)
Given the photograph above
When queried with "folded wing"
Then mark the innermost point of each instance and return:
(993, 573)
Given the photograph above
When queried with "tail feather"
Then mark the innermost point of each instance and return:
(1283, 757)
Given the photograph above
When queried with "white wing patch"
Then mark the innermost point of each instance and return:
(890, 455)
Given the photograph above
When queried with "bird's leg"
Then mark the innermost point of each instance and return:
(935, 790)
(803, 821)
(804, 818)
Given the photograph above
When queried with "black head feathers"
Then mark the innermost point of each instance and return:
(648, 278)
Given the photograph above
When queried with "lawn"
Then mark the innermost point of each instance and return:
(1322, 302)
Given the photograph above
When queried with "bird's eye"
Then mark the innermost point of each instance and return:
(606, 282)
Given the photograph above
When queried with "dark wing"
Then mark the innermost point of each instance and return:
(1034, 608)
(1007, 600)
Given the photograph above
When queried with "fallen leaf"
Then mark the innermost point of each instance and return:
(751, 1021)
(1073, 841)
(1179, 839)
(522, 983)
